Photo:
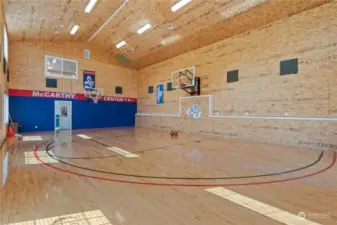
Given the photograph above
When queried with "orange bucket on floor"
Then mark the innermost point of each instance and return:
(10, 132)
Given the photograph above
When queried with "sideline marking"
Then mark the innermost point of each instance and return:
(260, 207)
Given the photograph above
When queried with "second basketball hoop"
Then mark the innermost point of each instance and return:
(186, 80)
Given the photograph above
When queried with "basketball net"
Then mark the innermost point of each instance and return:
(92, 94)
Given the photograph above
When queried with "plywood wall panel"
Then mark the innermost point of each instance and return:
(261, 91)
(3, 76)
(3, 88)
(257, 56)
(309, 134)
(27, 69)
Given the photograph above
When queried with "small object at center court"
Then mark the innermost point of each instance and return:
(174, 134)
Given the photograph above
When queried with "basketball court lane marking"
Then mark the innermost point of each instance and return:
(123, 152)
(83, 136)
(32, 138)
(85, 218)
(260, 207)
(30, 158)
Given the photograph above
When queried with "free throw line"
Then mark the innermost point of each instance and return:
(123, 152)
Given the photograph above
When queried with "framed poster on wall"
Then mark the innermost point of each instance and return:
(89, 81)
(160, 93)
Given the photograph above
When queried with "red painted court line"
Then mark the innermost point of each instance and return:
(187, 185)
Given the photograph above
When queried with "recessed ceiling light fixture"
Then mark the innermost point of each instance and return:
(179, 5)
(120, 44)
(144, 28)
(90, 6)
(74, 29)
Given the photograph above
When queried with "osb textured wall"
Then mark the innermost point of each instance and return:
(304, 133)
(261, 91)
(27, 68)
(3, 88)
(3, 76)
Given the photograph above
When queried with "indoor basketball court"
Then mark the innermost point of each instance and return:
(191, 112)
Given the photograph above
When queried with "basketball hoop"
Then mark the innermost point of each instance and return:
(93, 94)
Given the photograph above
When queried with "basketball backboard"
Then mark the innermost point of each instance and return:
(183, 78)
(93, 94)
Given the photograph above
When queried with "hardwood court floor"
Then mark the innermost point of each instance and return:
(142, 176)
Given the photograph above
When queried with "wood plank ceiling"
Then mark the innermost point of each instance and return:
(197, 24)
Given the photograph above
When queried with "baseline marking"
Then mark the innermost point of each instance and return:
(260, 207)
(123, 152)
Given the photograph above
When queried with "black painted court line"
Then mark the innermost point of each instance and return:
(141, 151)
(187, 178)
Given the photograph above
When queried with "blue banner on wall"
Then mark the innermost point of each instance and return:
(88, 80)
(160, 93)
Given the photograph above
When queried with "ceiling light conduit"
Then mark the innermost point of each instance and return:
(108, 20)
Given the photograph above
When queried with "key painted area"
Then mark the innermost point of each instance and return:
(260, 207)
(123, 152)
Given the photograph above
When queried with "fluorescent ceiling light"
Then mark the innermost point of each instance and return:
(179, 5)
(74, 29)
(144, 28)
(90, 6)
(120, 44)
